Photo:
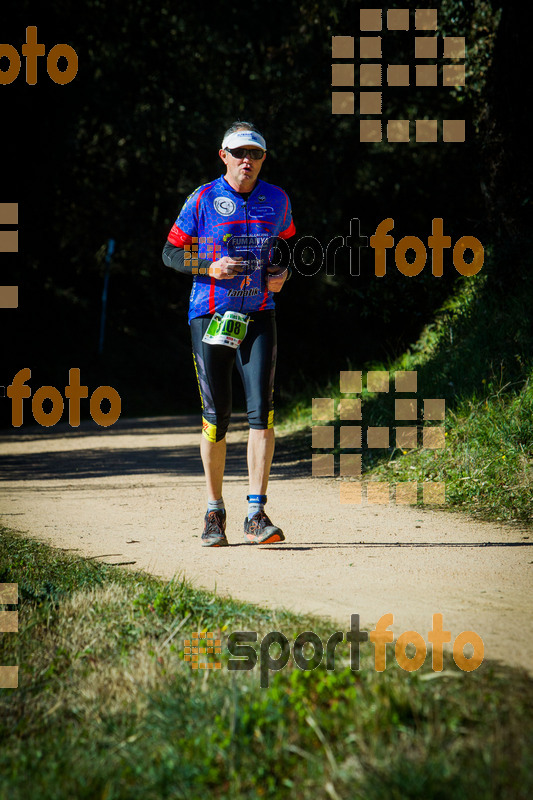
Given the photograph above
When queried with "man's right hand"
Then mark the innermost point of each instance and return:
(226, 267)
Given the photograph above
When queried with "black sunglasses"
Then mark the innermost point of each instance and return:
(241, 152)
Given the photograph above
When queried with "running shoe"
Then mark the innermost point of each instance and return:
(259, 530)
(214, 534)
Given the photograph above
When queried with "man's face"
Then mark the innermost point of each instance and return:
(241, 173)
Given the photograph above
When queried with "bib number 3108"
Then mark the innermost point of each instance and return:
(228, 330)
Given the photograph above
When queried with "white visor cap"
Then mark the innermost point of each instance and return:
(244, 139)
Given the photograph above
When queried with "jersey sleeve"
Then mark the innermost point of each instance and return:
(288, 228)
(186, 224)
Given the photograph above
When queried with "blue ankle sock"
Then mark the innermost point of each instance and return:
(216, 505)
(256, 502)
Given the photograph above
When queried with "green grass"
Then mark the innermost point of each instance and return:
(477, 354)
(107, 707)
(487, 464)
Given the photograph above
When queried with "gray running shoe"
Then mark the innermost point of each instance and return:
(214, 534)
(260, 530)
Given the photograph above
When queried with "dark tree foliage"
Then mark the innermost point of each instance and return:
(114, 154)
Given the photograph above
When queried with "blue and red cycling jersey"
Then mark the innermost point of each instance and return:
(216, 221)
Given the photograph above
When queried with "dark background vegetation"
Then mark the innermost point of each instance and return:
(115, 153)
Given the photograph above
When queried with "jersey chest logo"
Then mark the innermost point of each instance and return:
(262, 211)
(224, 205)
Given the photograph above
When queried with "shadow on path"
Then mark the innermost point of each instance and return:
(329, 545)
(291, 460)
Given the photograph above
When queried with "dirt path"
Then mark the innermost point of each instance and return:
(135, 493)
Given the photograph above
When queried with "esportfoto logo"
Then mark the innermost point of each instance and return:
(9, 623)
(378, 78)
(205, 644)
(407, 437)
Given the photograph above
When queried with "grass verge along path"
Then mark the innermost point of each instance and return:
(107, 707)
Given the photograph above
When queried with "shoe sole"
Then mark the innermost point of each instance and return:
(272, 539)
(220, 543)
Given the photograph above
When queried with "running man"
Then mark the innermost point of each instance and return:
(223, 237)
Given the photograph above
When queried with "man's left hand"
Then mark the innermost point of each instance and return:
(276, 278)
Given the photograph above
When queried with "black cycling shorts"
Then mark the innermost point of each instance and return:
(256, 363)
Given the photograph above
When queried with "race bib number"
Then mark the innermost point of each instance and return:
(229, 329)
